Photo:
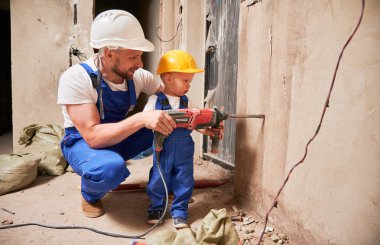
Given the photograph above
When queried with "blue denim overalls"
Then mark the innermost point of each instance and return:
(102, 170)
(177, 167)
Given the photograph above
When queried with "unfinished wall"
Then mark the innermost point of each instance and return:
(42, 32)
(287, 54)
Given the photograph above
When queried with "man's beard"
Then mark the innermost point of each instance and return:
(127, 75)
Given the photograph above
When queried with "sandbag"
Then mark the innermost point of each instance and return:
(43, 140)
(17, 171)
(216, 228)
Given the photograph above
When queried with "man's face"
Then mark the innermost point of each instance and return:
(126, 62)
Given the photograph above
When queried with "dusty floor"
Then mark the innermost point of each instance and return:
(56, 201)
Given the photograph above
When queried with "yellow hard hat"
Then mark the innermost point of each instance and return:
(177, 61)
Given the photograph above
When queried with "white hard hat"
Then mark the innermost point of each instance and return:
(118, 28)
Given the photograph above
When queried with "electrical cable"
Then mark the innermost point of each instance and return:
(171, 39)
(75, 51)
(274, 204)
(103, 232)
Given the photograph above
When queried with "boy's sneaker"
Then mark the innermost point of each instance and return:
(180, 223)
(154, 216)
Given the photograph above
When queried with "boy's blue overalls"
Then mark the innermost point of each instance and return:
(104, 169)
(177, 167)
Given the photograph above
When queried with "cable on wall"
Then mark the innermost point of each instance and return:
(74, 50)
(171, 39)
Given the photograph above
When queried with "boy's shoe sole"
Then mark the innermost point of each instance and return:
(180, 223)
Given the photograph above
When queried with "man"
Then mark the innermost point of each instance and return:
(96, 96)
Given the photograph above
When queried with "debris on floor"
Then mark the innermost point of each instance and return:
(250, 228)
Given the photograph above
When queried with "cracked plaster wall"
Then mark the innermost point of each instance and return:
(287, 54)
(42, 32)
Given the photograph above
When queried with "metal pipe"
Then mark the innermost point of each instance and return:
(197, 184)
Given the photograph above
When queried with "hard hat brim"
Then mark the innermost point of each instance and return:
(141, 45)
(180, 71)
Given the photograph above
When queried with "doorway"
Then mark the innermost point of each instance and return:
(221, 72)
(5, 79)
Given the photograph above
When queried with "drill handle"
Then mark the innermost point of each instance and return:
(215, 141)
(158, 143)
(217, 129)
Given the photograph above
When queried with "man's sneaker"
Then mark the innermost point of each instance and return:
(154, 216)
(92, 210)
(180, 223)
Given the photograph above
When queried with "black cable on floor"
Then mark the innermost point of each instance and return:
(98, 231)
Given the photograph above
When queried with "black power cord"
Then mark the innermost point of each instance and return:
(103, 232)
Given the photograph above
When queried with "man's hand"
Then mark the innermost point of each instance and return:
(158, 121)
(213, 131)
(86, 119)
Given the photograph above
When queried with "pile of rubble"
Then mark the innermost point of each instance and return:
(249, 230)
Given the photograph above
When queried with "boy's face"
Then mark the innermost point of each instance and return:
(177, 84)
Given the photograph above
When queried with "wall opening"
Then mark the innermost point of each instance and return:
(5, 70)
(221, 72)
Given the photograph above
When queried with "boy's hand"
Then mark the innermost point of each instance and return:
(160, 88)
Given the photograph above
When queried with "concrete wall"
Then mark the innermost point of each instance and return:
(42, 32)
(287, 54)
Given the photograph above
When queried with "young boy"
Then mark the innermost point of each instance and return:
(176, 69)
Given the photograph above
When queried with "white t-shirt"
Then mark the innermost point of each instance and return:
(75, 87)
(174, 102)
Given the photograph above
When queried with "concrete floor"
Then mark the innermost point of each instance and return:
(56, 201)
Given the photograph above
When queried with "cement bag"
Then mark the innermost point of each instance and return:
(216, 228)
(44, 140)
(17, 171)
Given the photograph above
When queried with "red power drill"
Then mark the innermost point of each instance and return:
(197, 119)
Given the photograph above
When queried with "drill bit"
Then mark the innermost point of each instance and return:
(247, 116)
